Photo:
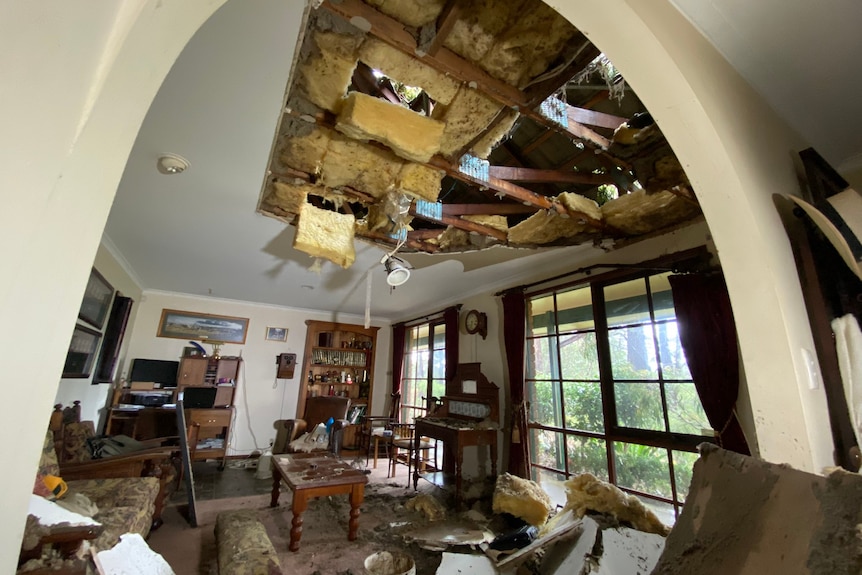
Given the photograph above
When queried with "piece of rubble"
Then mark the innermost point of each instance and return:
(325, 234)
(441, 535)
(747, 517)
(639, 213)
(585, 492)
(522, 498)
(424, 503)
(463, 563)
(410, 135)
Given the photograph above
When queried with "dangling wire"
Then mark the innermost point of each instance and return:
(367, 323)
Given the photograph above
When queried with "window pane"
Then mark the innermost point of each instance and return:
(439, 336)
(639, 405)
(575, 310)
(547, 448)
(539, 358)
(633, 353)
(626, 303)
(541, 476)
(578, 356)
(438, 388)
(545, 404)
(587, 455)
(540, 316)
(664, 511)
(684, 410)
(673, 364)
(438, 368)
(583, 402)
(643, 468)
(683, 463)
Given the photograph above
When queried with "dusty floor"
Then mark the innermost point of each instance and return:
(384, 525)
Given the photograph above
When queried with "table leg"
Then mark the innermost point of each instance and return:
(493, 446)
(276, 490)
(300, 504)
(376, 448)
(357, 494)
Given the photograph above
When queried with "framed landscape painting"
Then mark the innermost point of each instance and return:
(202, 326)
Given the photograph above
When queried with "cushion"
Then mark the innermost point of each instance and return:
(244, 547)
(48, 464)
(75, 436)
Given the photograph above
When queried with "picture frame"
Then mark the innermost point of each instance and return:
(97, 300)
(276, 334)
(191, 325)
(82, 352)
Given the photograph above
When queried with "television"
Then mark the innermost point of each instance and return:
(159, 371)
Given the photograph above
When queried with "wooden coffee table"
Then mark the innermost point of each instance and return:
(313, 475)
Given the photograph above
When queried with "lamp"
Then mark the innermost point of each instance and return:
(172, 164)
(396, 271)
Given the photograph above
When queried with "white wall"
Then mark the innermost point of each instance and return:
(260, 399)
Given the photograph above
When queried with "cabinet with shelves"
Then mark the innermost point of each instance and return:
(221, 373)
(338, 360)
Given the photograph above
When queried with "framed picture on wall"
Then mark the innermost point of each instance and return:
(82, 352)
(276, 333)
(202, 326)
(97, 300)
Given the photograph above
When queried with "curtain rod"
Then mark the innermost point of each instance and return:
(588, 271)
(430, 315)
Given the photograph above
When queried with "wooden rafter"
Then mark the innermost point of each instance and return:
(584, 53)
(548, 176)
(465, 225)
(496, 209)
(425, 234)
(442, 27)
(414, 243)
(396, 35)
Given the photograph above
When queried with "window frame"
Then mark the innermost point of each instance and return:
(408, 411)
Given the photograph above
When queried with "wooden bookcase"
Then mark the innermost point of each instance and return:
(338, 360)
(221, 373)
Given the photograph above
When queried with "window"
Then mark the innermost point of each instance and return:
(424, 374)
(609, 388)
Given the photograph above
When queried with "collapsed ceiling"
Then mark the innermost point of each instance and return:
(448, 126)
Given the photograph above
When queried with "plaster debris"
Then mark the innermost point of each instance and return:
(746, 516)
(640, 213)
(132, 556)
(325, 234)
(49, 513)
(456, 563)
(428, 505)
(522, 498)
(400, 67)
(441, 535)
(585, 492)
(410, 135)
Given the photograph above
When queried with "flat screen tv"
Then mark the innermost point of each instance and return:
(155, 370)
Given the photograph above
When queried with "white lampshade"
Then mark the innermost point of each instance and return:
(396, 272)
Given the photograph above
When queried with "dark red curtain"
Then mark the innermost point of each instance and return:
(514, 331)
(708, 335)
(399, 332)
(450, 317)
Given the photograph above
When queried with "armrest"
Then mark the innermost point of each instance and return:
(336, 435)
(147, 462)
(286, 431)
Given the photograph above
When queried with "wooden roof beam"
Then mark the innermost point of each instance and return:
(396, 35)
(548, 176)
(433, 36)
(465, 225)
(495, 209)
(413, 243)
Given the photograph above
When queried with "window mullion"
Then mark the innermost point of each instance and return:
(606, 381)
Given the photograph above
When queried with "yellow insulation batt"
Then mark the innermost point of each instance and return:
(414, 13)
(410, 135)
(585, 492)
(427, 504)
(327, 72)
(420, 182)
(487, 143)
(475, 32)
(305, 149)
(361, 166)
(467, 116)
(398, 66)
(496, 222)
(291, 197)
(640, 213)
(522, 498)
(544, 227)
(324, 234)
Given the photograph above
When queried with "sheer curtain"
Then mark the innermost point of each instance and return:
(708, 335)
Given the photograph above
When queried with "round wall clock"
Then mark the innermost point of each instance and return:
(476, 322)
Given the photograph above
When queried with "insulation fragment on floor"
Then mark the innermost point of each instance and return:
(522, 498)
(428, 505)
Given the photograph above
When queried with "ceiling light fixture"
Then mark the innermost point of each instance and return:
(172, 164)
(397, 271)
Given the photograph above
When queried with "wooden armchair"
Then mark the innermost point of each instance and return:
(374, 429)
(317, 410)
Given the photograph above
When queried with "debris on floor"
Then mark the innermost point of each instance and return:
(428, 505)
(522, 498)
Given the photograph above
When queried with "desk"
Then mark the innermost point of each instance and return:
(309, 475)
(456, 434)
